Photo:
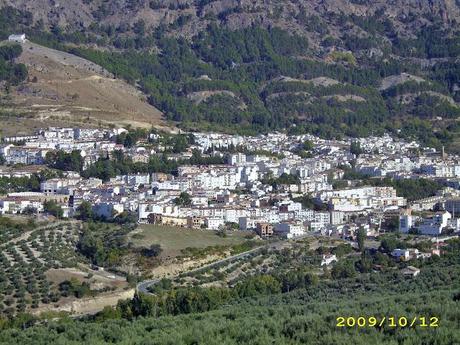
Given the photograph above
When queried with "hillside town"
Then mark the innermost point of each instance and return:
(275, 184)
(229, 172)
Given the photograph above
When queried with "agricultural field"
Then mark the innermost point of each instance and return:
(176, 241)
(41, 268)
(304, 254)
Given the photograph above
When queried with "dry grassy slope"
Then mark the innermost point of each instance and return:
(72, 90)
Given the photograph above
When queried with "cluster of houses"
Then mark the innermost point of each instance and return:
(32, 149)
(385, 158)
(233, 194)
(435, 225)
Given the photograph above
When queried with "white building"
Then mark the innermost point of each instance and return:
(359, 199)
(328, 259)
(320, 221)
(19, 38)
(146, 209)
(337, 217)
(237, 158)
(435, 225)
(289, 229)
(136, 179)
(108, 209)
(214, 223)
(405, 223)
(19, 205)
(58, 185)
(403, 254)
(4, 206)
(249, 223)
(406, 254)
(25, 155)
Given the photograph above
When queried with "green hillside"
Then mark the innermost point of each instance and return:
(373, 78)
(284, 307)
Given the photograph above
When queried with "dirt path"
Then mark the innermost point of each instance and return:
(91, 305)
(25, 235)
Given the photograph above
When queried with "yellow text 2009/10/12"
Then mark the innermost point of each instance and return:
(387, 321)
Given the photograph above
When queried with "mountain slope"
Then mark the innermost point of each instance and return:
(192, 16)
(65, 89)
(242, 66)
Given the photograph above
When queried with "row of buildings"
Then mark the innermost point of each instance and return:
(249, 191)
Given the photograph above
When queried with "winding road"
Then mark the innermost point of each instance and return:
(143, 286)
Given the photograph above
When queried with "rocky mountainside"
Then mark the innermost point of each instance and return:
(328, 67)
(314, 18)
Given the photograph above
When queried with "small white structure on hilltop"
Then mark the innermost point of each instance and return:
(21, 38)
(328, 259)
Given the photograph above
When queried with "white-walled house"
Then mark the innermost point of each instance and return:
(108, 209)
(405, 222)
(213, 223)
(237, 158)
(435, 225)
(148, 208)
(432, 226)
(18, 38)
(358, 199)
(58, 185)
(289, 229)
(19, 205)
(402, 254)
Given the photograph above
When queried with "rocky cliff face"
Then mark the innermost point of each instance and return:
(313, 18)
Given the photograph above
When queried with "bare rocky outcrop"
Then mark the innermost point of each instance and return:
(235, 14)
(402, 78)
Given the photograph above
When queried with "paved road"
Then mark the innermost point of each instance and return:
(144, 285)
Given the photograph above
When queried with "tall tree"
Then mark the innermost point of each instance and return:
(360, 237)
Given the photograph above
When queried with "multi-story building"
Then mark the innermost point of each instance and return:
(289, 229)
(264, 230)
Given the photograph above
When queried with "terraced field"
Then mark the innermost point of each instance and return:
(26, 254)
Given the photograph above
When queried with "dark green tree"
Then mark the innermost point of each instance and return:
(53, 208)
(85, 211)
(360, 238)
